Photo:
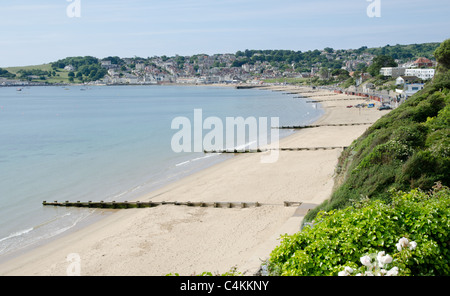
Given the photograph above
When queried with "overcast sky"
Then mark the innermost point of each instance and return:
(40, 31)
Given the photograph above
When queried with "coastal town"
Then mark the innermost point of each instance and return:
(342, 70)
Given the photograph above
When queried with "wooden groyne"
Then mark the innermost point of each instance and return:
(321, 125)
(331, 100)
(313, 96)
(235, 151)
(249, 86)
(139, 204)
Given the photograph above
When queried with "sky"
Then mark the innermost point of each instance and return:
(34, 32)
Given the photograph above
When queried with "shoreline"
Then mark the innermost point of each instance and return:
(185, 240)
(99, 213)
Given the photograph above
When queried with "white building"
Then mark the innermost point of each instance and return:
(392, 71)
(424, 74)
(140, 66)
(108, 65)
(189, 80)
(410, 89)
(406, 79)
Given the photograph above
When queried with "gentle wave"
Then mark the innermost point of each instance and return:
(196, 159)
(211, 155)
(50, 221)
(11, 242)
(16, 234)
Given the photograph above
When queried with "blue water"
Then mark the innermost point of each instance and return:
(106, 143)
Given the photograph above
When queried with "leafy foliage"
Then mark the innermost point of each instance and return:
(340, 237)
(75, 62)
(442, 55)
(87, 68)
(405, 52)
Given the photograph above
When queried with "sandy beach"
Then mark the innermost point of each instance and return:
(190, 240)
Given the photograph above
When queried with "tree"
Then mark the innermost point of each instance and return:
(328, 49)
(442, 54)
(379, 62)
(361, 67)
(4, 73)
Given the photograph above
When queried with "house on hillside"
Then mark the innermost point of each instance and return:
(140, 66)
(422, 62)
(412, 88)
(406, 79)
(108, 65)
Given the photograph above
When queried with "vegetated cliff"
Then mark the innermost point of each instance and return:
(405, 149)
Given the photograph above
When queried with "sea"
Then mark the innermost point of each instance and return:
(82, 143)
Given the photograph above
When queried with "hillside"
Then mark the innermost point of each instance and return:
(408, 148)
(40, 73)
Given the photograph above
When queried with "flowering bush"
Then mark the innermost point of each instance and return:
(381, 264)
(339, 238)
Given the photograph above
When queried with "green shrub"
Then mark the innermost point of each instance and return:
(340, 237)
(413, 135)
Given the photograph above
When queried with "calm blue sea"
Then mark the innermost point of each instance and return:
(106, 143)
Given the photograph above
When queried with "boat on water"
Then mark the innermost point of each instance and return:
(19, 89)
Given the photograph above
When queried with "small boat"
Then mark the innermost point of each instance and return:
(19, 89)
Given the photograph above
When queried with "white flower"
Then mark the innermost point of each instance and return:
(382, 259)
(383, 271)
(399, 247)
(366, 261)
(380, 255)
(368, 273)
(404, 242)
(392, 272)
(346, 272)
(386, 259)
(358, 274)
(412, 245)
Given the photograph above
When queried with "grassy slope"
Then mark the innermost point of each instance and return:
(62, 78)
